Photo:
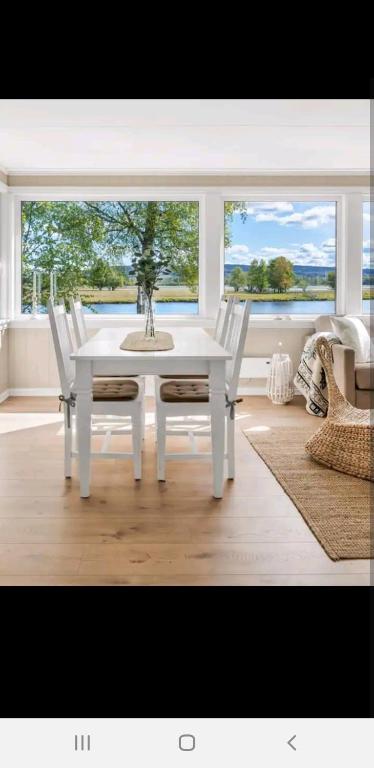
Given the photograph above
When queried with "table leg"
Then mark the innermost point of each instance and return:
(83, 391)
(217, 400)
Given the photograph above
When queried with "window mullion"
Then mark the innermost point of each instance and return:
(212, 252)
(352, 254)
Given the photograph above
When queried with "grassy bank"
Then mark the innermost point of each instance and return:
(181, 293)
(315, 296)
(128, 295)
(163, 300)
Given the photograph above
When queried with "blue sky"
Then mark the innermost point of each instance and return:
(303, 232)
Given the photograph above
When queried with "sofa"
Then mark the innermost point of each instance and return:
(355, 380)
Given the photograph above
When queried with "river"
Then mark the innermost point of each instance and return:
(258, 308)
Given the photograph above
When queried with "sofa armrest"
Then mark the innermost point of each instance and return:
(344, 371)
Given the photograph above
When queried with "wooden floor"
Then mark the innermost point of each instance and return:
(171, 533)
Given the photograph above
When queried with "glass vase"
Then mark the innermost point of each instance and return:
(149, 311)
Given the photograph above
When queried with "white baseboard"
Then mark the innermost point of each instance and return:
(4, 395)
(34, 392)
(149, 391)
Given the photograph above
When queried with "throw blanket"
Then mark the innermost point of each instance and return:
(310, 378)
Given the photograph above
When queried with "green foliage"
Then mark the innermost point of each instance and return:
(170, 228)
(238, 278)
(70, 237)
(331, 279)
(102, 275)
(280, 274)
(257, 276)
(57, 236)
(302, 282)
(147, 266)
(186, 266)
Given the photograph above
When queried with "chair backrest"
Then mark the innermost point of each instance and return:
(63, 345)
(223, 319)
(235, 343)
(79, 324)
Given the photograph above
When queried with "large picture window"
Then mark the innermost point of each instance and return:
(367, 258)
(282, 255)
(88, 248)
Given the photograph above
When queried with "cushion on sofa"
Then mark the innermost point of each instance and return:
(353, 333)
(323, 323)
(364, 376)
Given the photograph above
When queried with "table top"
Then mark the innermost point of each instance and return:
(189, 343)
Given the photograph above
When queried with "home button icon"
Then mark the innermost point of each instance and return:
(187, 742)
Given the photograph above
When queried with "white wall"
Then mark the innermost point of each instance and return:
(32, 362)
(4, 369)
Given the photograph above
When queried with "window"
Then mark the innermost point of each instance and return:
(282, 255)
(367, 259)
(88, 247)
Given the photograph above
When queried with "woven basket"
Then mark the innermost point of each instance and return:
(346, 439)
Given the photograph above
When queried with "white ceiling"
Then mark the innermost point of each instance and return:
(184, 135)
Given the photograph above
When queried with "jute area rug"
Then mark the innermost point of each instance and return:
(335, 506)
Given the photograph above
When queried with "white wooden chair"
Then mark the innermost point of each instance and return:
(184, 398)
(220, 333)
(119, 399)
(81, 337)
(79, 323)
(223, 318)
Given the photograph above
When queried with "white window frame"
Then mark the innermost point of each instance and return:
(211, 246)
(292, 196)
(364, 199)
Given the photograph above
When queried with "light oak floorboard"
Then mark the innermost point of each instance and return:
(139, 533)
(151, 529)
(225, 580)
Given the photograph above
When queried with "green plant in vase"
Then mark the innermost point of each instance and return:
(147, 267)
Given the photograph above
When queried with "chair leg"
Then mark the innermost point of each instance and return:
(67, 444)
(143, 420)
(137, 443)
(161, 445)
(230, 447)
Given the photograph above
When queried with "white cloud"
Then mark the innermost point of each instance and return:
(255, 208)
(305, 254)
(311, 218)
(311, 255)
(269, 252)
(238, 254)
(367, 217)
(267, 217)
(329, 245)
(239, 249)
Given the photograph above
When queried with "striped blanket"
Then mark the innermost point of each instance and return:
(310, 378)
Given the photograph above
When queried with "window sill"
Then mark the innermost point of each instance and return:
(112, 321)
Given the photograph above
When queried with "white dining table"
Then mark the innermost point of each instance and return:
(194, 352)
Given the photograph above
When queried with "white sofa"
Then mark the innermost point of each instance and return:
(355, 380)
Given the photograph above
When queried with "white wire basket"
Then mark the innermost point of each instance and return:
(280, 389)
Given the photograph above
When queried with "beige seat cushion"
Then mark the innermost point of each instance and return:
(114, 388)
(184, 376)
(185, 391)
(364, 373)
